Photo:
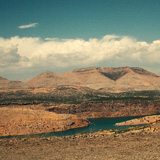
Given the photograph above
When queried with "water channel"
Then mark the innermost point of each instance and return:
(97, 124)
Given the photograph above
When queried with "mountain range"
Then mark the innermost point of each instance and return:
(97, 78)
(7, 84)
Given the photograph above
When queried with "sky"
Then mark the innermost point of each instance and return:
(61, 35)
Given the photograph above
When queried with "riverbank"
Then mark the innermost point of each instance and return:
(133, 143)
(25, 120)
(37, 119)
(141, 145)
(140, 121)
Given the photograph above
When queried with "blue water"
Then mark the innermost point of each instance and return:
(97, 124)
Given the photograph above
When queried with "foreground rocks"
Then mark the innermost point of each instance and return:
(134, 143)
(86, 147)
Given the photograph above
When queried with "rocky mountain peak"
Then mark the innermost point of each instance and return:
(143, 71)
(106, 79)
(117, 73)
(47, 74)
(87, 69)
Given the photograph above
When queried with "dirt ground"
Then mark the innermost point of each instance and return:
(135, 144)
(138, 121)
(22, 121)
(141, 146)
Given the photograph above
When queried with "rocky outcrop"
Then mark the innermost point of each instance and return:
(111, 109)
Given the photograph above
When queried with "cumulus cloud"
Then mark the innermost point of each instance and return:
(28, 26)
(55, 54)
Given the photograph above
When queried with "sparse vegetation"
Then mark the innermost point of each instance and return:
(72, 96)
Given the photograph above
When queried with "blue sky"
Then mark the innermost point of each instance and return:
(81, 18)
(130, 22)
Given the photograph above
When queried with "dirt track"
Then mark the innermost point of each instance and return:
(97, 147)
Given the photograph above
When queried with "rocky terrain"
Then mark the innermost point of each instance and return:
(134, 143)
(41, 118)
(110, 108)
(68, 101)
(18, 120)
(53, 102)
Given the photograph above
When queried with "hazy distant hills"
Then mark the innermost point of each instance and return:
(7, 84)
(101, 79)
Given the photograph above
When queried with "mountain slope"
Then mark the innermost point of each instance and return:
(104, 79)
(87, 78)
(7, 84)
(117, 73)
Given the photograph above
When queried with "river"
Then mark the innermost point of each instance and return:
(97, 124)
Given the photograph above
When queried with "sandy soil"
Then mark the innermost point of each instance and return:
(138, 121)
(133, 144)
(22, 121)
(94, 147)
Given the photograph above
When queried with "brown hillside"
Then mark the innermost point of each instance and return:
(7, 84)
(104, 79)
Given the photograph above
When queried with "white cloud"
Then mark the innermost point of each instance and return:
(28, 26)
(53, 54)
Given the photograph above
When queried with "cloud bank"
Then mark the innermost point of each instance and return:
(37, 55)
(28, 26)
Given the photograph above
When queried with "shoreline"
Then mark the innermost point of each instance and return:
(33, 120)
(100, 145)
(140, 121)
(26, 121)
